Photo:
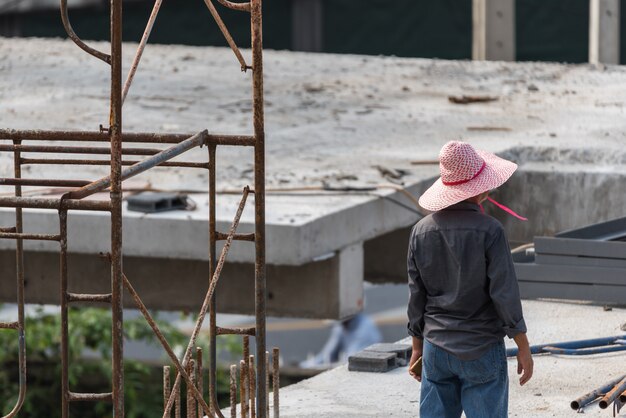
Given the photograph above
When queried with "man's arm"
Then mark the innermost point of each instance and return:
(417, 305)
(504, 292)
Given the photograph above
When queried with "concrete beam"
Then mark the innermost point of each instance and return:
(330, 288)
(604, 31)
(307, 25)
(493, 30)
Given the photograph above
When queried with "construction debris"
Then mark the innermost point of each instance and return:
(471, 99)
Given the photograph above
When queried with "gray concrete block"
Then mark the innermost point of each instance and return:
(372, 361)
(402, 351)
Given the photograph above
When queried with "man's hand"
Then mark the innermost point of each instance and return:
(418, 346)
(524, 359)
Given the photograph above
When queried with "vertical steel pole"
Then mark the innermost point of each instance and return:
(65, 388)
(259, 199)
(212, 263)
(116, 209)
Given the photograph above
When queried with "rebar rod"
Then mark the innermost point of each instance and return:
(129, 137)
(166, 385)
(43, 182)
(233, 391)
(236, 331)
(200, 379)
(276, 381)
(227, 35)
(65, 388)
(58, 161)
(140, 48)
(243, 384)
(66, 204)
(150, 162)
(253, 385)
(212, 151)
(191, 385)
(90, 397)
(209, 295)
(244, 7)
(52, 149)
(32, 237)
(82, 45)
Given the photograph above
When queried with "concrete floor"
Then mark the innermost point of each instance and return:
(556, 382)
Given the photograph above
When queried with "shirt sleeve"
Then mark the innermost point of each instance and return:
(503, 286)
(417, 295)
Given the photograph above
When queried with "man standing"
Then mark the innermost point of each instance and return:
(464, 295)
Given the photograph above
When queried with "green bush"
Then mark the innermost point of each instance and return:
(90, 365)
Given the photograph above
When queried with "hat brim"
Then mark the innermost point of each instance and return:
(496, 172)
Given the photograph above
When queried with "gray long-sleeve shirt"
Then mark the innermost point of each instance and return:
(464, 294)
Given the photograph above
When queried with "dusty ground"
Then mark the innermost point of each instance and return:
(556, 382)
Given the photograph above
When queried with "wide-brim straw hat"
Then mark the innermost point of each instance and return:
(465, 172)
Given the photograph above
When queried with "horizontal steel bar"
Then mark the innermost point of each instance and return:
(32, 237)
(69, 204)
(9, 229)
(43, 182)
(43, 149)
(90, 397)
(40, 161)
(140, 137)
(81, 297)
(9, 325)
(220, 236)
(196, 140)
(236, 331)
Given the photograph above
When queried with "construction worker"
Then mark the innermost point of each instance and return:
(464, 295)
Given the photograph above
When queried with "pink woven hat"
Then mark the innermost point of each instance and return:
(465, 172)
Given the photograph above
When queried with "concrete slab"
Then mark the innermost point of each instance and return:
(556, 382)
(332, 120)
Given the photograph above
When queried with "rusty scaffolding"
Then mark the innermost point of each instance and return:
(120, 170)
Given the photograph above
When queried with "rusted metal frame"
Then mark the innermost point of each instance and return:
(52, 149)
(90, 397)
(129, 137)
(80, 297)
(227, 35)
(40, 161)
(66, 204)
(19, 325)
(150, 162)
(82, 45)
(276, 381)
(220, 236)
(259, 199)
(180, 367)
(212, 266)
(207, 301)
(32, 237)
(140, 48)
(236, 331)
(10, 229)
(43, 182)
(115, 182)
(65, 385)
(243, 7)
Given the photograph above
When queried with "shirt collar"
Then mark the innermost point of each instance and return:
(464, 206)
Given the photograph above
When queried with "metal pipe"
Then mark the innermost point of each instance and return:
(43, 182)
(227, 36)
(33, 237)
(150, 162)
(137, 137)
(142, 46)
(622, 397)
(209, 296)
(57, 161)
(596, 342)
(613, 394)
(82, 45)
(594, 394)
(259, 198)
(38, 203)
(50, 149)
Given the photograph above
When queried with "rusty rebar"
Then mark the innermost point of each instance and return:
(233, 391)
(79, 297)
(90, 397)
(52, 149)
(210, 294)
(243, 385)
(220, 236)
(253, 385)
(212, 151)
(140, 48)
(166, 385)
(259, 198)
(150, 162)
(82, 45)
(61, 161)
(244, 7)
(43, 182)
(267, 382)
(33, 237)
(200, 379)
(10, 325)
(276, 381)
(64, 204)
(191, 402)
(129, 137)
(178, 408)
(65, 389)
(227, 36)
(236, 331)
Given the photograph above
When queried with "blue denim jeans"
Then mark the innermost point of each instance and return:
(450, 386)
